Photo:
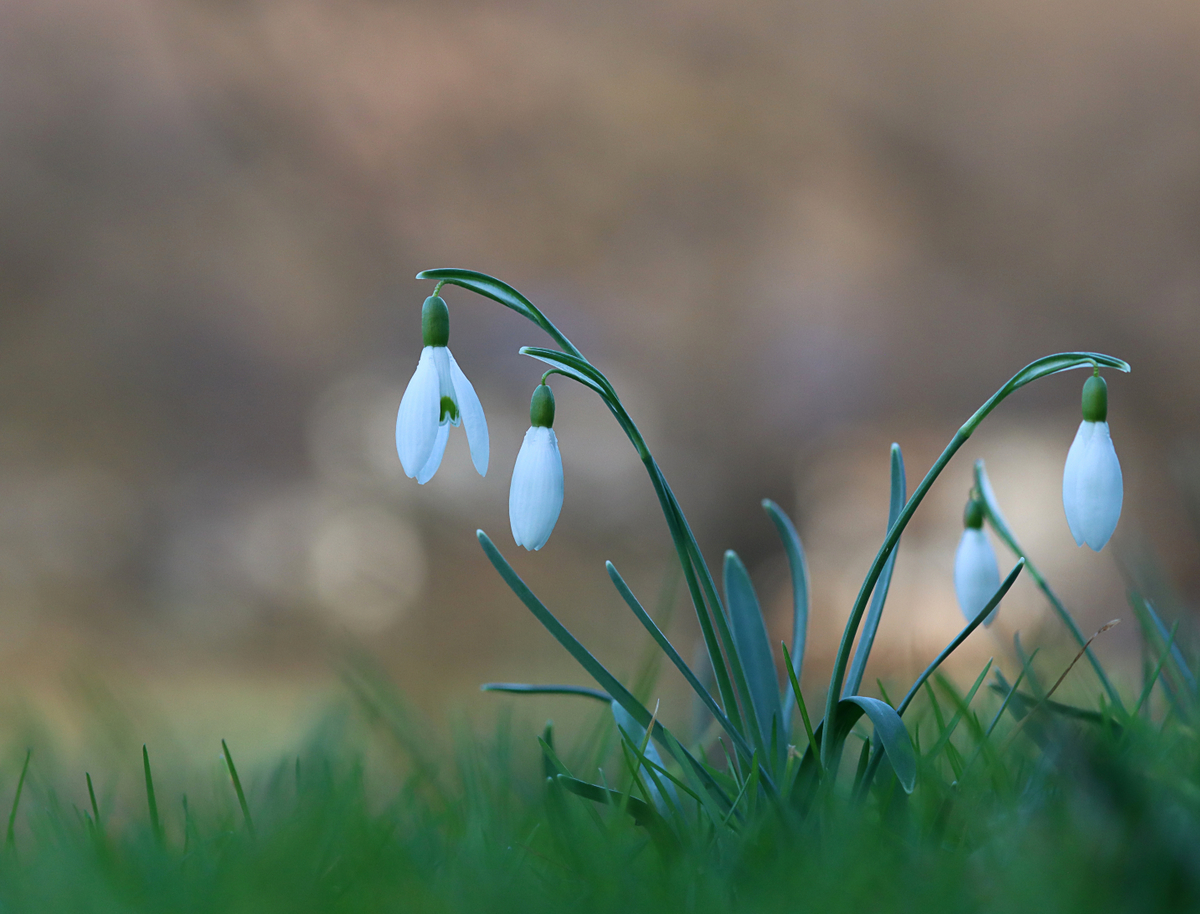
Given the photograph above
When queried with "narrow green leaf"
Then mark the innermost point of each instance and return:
(151, 801)
(1024, 703)
(237, 788)
(493, 288)
(1181, 665)
(673, 655)
(963, 706)
(643, 813)
(551, 764)
(576, 366)
(638, 737)
(963, 635)
(753, 648)
(798, 566)
(12, 816)
(95, 805)
(889, 731)
(1064, 361)
(899, 494)
(521, 688)
(1157, 671)
(799, 698)
(593, 666)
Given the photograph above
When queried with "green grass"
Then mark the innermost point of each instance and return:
(1039, 810)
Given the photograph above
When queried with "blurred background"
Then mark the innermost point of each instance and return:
(792, 233)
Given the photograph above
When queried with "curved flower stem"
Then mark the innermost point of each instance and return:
(1031, 372)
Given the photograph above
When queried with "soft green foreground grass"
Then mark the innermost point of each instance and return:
(1055, 813)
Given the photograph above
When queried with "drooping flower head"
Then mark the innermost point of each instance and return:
(976, 574)
(535, 497)
(1092, 486)
(437, 397)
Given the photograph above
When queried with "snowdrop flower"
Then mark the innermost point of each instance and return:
(536, 495)
(1092, 487)
(437, 397)
(976, 574)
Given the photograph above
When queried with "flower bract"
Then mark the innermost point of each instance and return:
(1092, 485)
(536, 495)
(437, 397)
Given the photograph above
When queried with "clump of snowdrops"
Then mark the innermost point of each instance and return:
(771, 757)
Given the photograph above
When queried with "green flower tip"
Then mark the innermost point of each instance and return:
(541, 407)
(1095, 399)
(973, 514)
(435, 321)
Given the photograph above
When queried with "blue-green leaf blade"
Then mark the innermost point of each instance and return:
(892, 735)
(753, 647)
(798, 566)
(524, 688)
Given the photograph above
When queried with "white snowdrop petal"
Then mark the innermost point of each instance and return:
(471, 411)
(976, 574)
(1092, 486)
(535, 497)
(1072, 503)
(417, 419)
(1101, 488)
(435, 456)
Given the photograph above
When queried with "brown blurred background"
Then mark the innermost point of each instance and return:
(791, 232)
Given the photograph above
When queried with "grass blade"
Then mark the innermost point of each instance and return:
(151, 802)
(237, 787)
(1157, 671)
(1176, 654)
(963, 706)
(799, 697)
(92, 797)
(12, 816)
(647, 755)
